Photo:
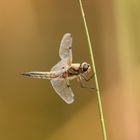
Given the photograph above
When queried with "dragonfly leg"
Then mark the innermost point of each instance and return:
(87, 78)
(67, 81)
(83, 85)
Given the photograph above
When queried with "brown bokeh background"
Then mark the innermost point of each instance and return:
(30, 34)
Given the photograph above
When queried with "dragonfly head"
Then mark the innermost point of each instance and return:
(85, 67)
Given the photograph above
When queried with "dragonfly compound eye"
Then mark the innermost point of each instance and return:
(84, 66)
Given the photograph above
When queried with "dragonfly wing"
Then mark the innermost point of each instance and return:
(61, 66)
(65, 51)
(61, 88)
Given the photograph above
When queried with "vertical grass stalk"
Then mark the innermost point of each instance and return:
(94, 71)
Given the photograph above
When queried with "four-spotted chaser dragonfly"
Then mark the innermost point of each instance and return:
(63, 71)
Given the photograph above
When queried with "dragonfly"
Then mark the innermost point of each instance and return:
(64, 71)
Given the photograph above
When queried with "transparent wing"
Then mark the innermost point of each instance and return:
(65, 51)
(61, 65)
(61, 88)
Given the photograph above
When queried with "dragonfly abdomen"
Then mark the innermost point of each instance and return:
(41, 75)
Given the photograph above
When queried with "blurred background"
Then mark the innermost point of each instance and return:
(30, 35)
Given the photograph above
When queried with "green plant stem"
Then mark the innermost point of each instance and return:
(94, 71)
